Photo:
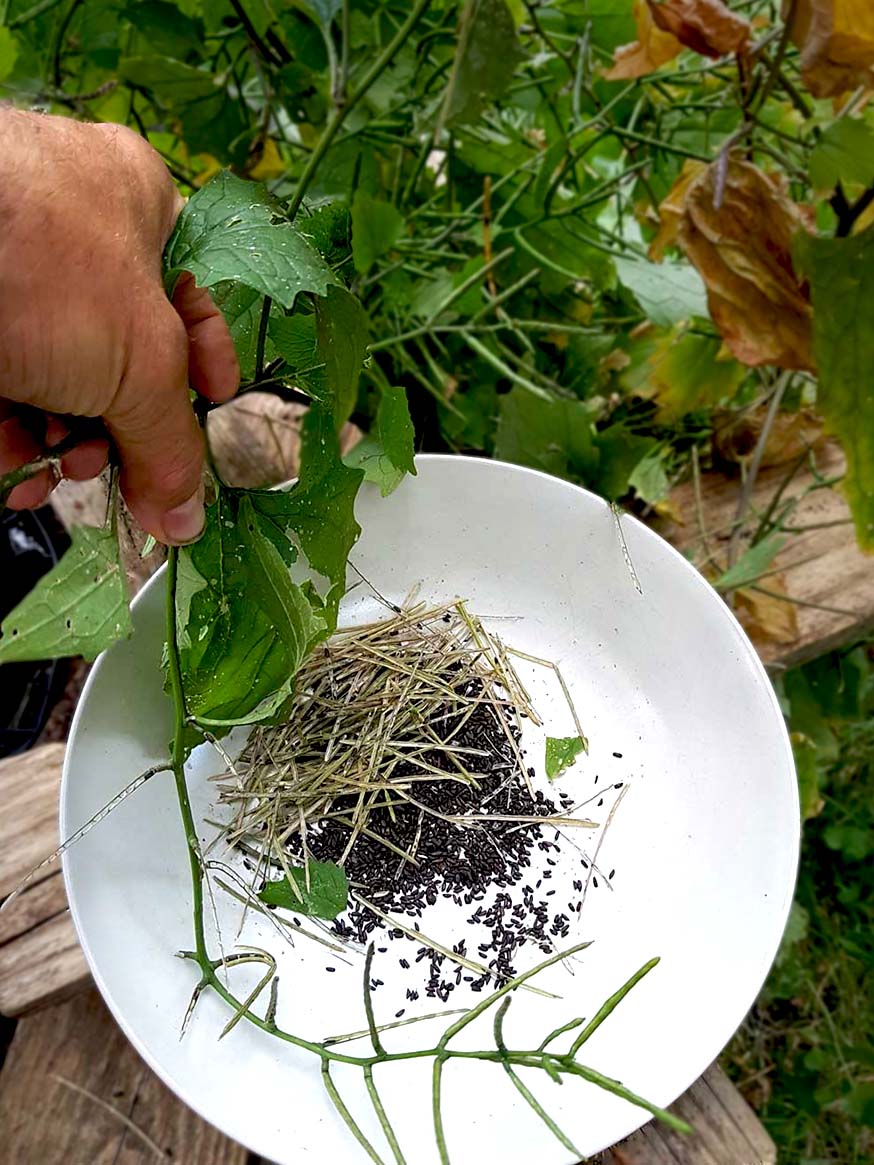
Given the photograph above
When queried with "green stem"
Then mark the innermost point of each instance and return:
(379, 1109)
(609, 1004)
(614, 1086)
(354, 1127)
(368, 1005)
(437, 1107)
(339, 115)
(50, 459)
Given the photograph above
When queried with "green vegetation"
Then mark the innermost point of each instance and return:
(550, 248)
(805, 1057)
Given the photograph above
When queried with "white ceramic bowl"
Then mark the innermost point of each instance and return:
(705, 843)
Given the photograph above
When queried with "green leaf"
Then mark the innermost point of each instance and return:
(667, 292)
(211, 118)
(341, 337)
(649, 479)
(329, 229)
(621, 453)
(8, 52)
(561, 752)
(841, 274)
(228, 230)
(167, 30)
(376, 227)
(317, 514)
(681, 372)
(243, 626)
(752, 564)
(241, 307)
(486, 57)
(555, 436)
(807, 769)
(294, 339)
(326, 897)
(845, 154)
(78, 608)
(387, 453)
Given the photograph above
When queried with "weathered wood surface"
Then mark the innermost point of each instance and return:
(124, 1106)
(828, 582)
(40, 957)
(727, 1131)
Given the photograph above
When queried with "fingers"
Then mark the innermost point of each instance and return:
(158, 438)
(212, 362)
(18, 446)
(87, 460)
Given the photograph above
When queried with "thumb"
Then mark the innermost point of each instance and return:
(159, 440)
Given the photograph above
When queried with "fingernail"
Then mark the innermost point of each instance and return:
(184, 524)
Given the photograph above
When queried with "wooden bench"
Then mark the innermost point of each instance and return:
(73, 1090)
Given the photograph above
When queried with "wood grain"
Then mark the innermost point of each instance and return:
(727, 1131)
(821, 567)
(45, 1121)
(40, 958)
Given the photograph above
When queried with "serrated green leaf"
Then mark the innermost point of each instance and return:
(555, 436)
(841, 274)
(752, 564)
(386, 454)
(318, 512)
(376, 227)
(326, 896)
(341, 338)
(561, 752)
(79, 608)
(243, 627)
(845, 154)
(487, 55)
(667, 292)
(227, 231)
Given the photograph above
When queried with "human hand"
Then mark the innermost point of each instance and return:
(85, 327)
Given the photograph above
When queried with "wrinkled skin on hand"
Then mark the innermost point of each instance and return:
(85, 326)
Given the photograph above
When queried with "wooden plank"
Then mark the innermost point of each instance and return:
(727, 1131)
(29, 786)
(829, 582)
(40, 958)
(45, 1120)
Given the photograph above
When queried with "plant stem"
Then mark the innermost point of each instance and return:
(354, 1127)
(82, 432)
(379, 1109)
(340, 114)
(609, 1004)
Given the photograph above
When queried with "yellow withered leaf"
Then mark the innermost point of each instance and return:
(736, 226)
(836, 39)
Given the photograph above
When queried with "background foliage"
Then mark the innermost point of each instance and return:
(577, 235)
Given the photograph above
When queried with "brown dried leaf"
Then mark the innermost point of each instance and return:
(836, 38)
(736, 436)
(652, 49)
(707, 27)
(768, 618)
(742, 251)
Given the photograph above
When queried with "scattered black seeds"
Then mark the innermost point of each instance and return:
(398, 1014)
(610, 875)
(331, 969)
(618, 755)
(595, 882)
(618, 784)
